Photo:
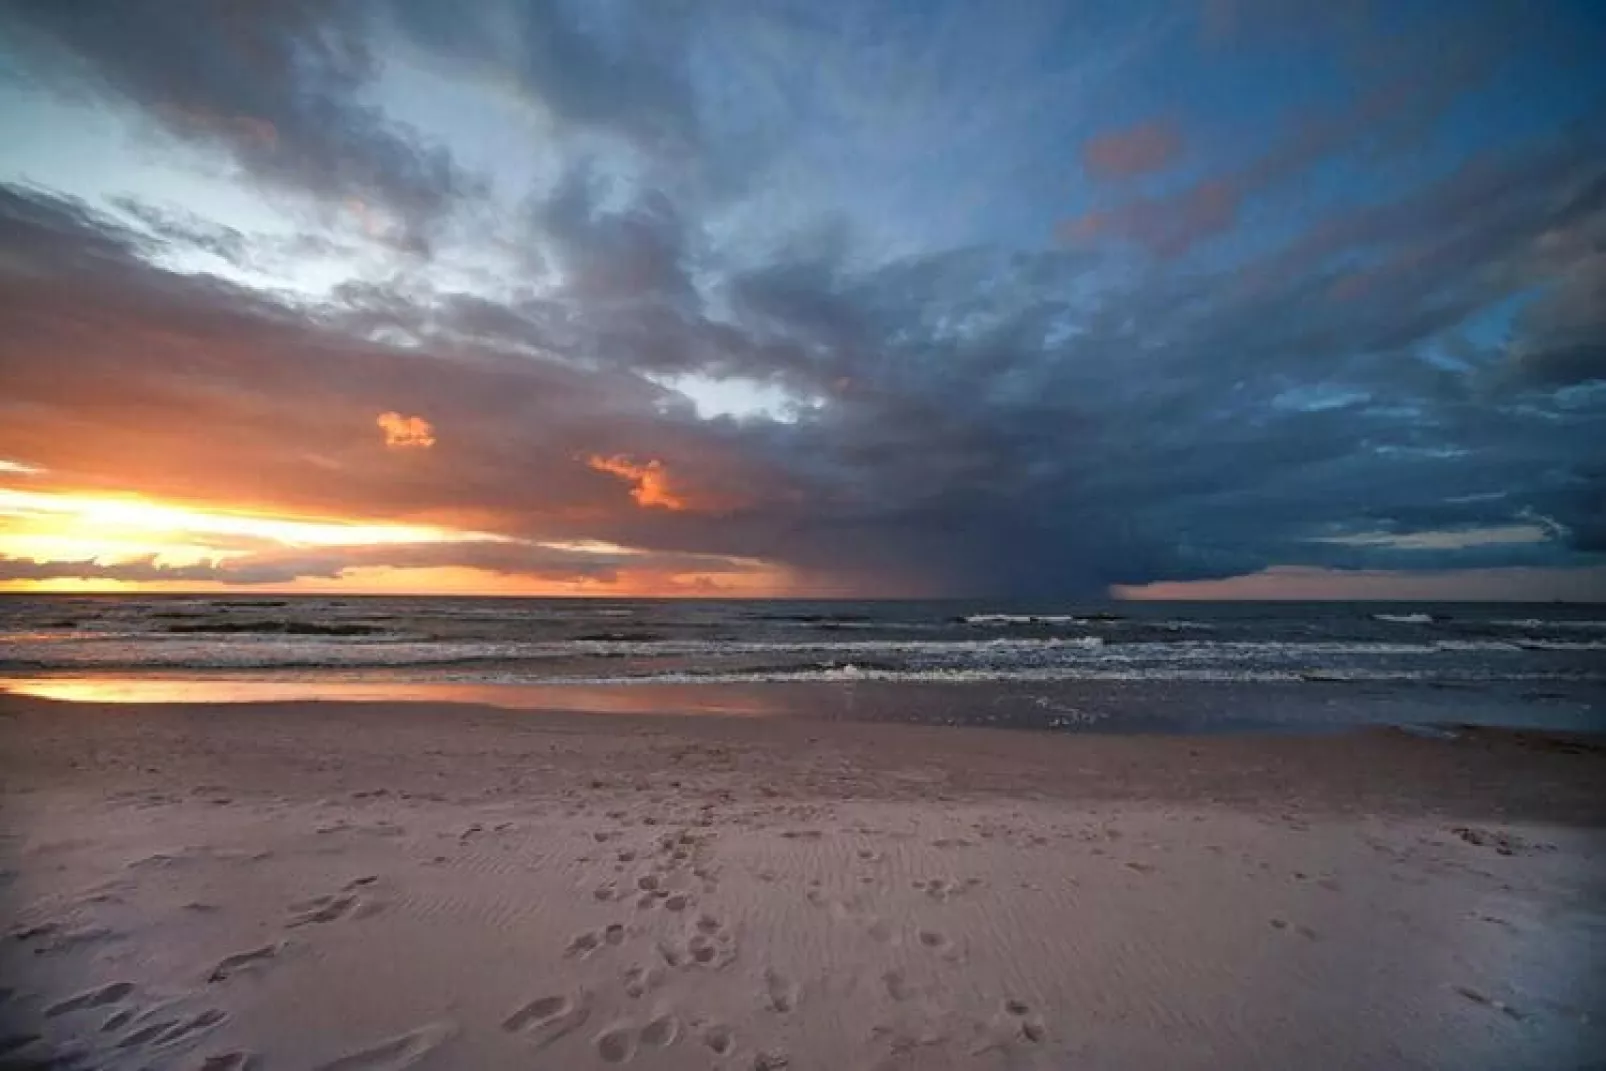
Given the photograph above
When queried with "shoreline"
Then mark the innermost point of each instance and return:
(381, 885)
(1142, 707)
(1468, 770)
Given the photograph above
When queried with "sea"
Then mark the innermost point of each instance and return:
(1148, 666)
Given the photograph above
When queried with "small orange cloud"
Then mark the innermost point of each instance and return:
(651, 481)
(405, 432)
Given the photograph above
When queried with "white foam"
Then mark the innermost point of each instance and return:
(1405, 619)
(1004, 620)
(1534, 622)
(851, 674)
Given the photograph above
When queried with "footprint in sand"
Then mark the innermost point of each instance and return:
(350, 901)
(617, 1044)
(719, 1038)
(1028, 1025)
(166, 1031)
(709, 952)
(546, 1019)
(898, 988)
(780, 992)
(943, 889)
(709, 945)
(583, 944)
(393, 1054)
(939, 943)
(661, 1032)
(231, 965)
(322, 909)
(229, 1061)
(93, 998)
(639, 981)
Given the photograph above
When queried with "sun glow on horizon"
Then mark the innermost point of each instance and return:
(66, 514)
(126, 543)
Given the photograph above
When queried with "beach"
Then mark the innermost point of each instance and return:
(377, 885)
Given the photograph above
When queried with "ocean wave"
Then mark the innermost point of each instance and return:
(1407, 619)
(1008, 620)
(280, 650)
(852, 673)
(286, 628)
(1537, 623)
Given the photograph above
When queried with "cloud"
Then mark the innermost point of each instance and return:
(1303, 583)
(1357, 320)
(975, 453)
(406, 432)
(1134, 150)
(626, 76)
(276, 87)
(1396, 103)
(280, 566)
(649, 481)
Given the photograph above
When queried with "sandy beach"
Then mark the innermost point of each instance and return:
(383, 885)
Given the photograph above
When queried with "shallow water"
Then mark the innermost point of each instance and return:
(1123, 667)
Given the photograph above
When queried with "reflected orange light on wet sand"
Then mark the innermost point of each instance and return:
(617, 699)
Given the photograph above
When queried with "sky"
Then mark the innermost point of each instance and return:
(1215, 299)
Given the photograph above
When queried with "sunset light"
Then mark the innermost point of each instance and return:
(649, 481)
(942, 535)
(406, 431)
(77, 542)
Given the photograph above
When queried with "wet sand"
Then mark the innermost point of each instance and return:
(387, 885)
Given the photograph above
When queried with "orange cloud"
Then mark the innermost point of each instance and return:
(651, 481)
(1135, 150)
(403, 432)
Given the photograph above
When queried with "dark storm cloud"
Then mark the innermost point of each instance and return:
(628, 76)
(981, 419)
(287, 403)
(982, 455)
(275, 85)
